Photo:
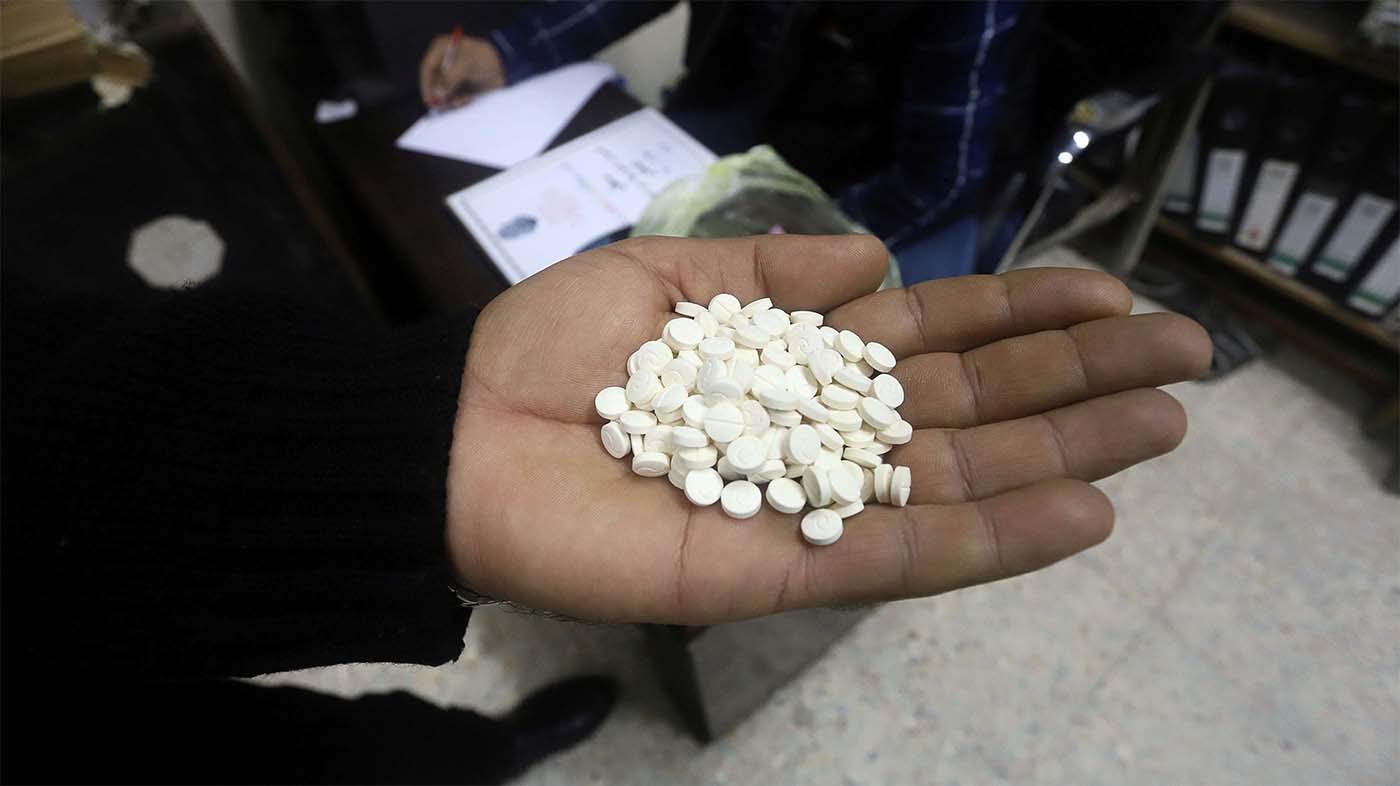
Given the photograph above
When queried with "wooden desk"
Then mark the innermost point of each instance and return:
(402, 193)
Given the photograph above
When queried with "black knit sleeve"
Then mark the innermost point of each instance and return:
(227, 484)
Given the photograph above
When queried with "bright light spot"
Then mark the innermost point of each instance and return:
(1081, 140)
(1066, 157)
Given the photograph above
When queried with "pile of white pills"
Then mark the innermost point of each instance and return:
(731, 398)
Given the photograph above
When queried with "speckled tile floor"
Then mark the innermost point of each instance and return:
(1242, 626)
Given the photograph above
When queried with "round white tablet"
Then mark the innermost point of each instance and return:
(615, 441)
(703, 487)
(756, 307)
(655, 354)
(873, 411)
(670, 399)
(679, 372)
(882, 482)
(897, 433)
(634, 422)
(772, 469)
(803, 445)
(785, 417)
(879, 356)
(816, 482)
(802, 341)
(775, 320)
(847, 510)
(697, 458)
(800, 381)
(747, 454)
(694, 410)
(751, 336)
(687, 309)
(845, 487)
(867, 486)
(677, 476)
(717, 348)
(807, 318)
(859, 438)
(684, 436)
(726, 470)
(780, 399)
(821, 527)
(851, 377)
(708, 325)
(824, 364)
(863, 458)
(813, 410)
(724, 422)
(683, 333)
(651, 465)
(831, 438)
(756, 418)
(838, 397)
(845, 420)
(778, 357)
(643, 387)
(786, 496)
(887, 389)
(723, 307)
(850, 346)
(900, 486)
(611, 403)
(658, 440)
(740, 499)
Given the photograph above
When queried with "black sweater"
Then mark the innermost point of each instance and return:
(219, 483)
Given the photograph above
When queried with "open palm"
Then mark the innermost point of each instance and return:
(1021, 388)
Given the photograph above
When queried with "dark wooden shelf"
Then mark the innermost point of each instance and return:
(1294, 289)
(1327, 31)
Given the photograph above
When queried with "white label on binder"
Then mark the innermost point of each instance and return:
(1380, 286)
(1181, 183)
(1223, 171)
(1353, 236)
(1300, 231)
(1265, 206)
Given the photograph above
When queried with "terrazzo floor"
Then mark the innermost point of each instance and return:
(1241, 626)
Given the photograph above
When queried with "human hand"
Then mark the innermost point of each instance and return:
(1021, 387)
(456, 67)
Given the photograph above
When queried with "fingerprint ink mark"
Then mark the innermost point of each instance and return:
(520, 225)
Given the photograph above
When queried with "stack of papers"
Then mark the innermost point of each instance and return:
(501, 128)
(578, 195)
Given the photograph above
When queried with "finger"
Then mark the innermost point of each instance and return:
(1086, 441)
(428, 69)
(812, 272)
(1024, 375)
(888, 553)
(956, 314)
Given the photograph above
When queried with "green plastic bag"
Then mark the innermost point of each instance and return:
(751, 193)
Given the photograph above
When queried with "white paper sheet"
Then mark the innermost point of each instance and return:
(504, 127)
(578, 194)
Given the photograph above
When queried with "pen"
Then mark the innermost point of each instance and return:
(451, 55)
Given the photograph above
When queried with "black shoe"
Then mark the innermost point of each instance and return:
(558, 717)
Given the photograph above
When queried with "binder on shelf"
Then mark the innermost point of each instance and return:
(1366, 221)
(1180, 195)
(1294, 117)
(1379, 290)
(1328, 178)
(1229, 130)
